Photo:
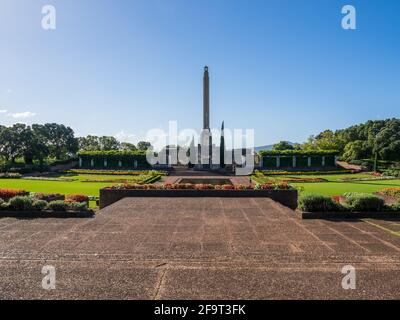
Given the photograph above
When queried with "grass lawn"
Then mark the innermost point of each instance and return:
(334, 186)
(69, 187)
(338, 188)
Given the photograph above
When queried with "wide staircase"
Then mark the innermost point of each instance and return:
(184, 171)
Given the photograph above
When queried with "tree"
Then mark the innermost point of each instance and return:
(89, 143)
(58, 138)
(108, 143)
(283, 145)
(128, 146)
(377, 139)
(13, 141)
(355, 150)
(143, 145)
(95, 143)
(37, 148)
(327, 140)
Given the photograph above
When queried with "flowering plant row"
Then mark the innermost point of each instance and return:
(297, 173)
(76, 198)
(189, 186)
(117, 172)
(6, 194)
(304, 180)
(391, 192)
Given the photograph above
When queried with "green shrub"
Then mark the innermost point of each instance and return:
(392, 173)
(58, 205)
(318, 203)
(78, 206)
(396, 206)
(353, 194)
(21, 203)
(5, 206)
(364, 202)
(39, 204)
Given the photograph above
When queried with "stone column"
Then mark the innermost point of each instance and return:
(278, 162)
(294, 161)
(309, 161)
(206, 99)
(323, 161)
(119, 163)
(105, 163)
(80, 162)
(92, 163)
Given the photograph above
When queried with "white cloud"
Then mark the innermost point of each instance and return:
(22, 115)
(3, 111)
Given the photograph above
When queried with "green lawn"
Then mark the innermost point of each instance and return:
(334, 186)
(69, 187)
(338, 188)
(63, 187)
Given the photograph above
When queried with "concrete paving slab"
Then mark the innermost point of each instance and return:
(198, 248)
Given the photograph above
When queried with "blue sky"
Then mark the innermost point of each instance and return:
(284, 68)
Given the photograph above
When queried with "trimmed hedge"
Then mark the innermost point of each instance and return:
(318, 203)
(353, 202)
(113, 157)
(364, 202)
(21, 203)
(269, 158)
(306, 153)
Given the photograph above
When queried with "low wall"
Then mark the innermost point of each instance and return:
(287, 198)
(31, 214)
(348, 215)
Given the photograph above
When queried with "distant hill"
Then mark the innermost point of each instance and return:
(268, 147)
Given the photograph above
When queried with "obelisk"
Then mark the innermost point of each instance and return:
(206, 99)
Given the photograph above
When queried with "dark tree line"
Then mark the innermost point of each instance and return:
(108, 143)
(375, 139)
(37, 142)
(51, 140)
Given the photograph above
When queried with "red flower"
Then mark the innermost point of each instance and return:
(7, 194)
(76, 198)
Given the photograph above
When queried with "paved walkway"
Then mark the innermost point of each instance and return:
(198, 248)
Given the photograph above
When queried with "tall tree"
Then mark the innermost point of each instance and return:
(108, 143)
(283, 145)
(13, 141)
(59, 139)
(128, 146)
(143, 145)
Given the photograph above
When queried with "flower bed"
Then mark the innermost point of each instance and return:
(117, 172)
(282, 193)
(30, 207)
(6, 194)
(304, 180)
(391, 192)
(284, 173)
(41, 178)
(48, 197)
(70, 198)
(191, 186)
